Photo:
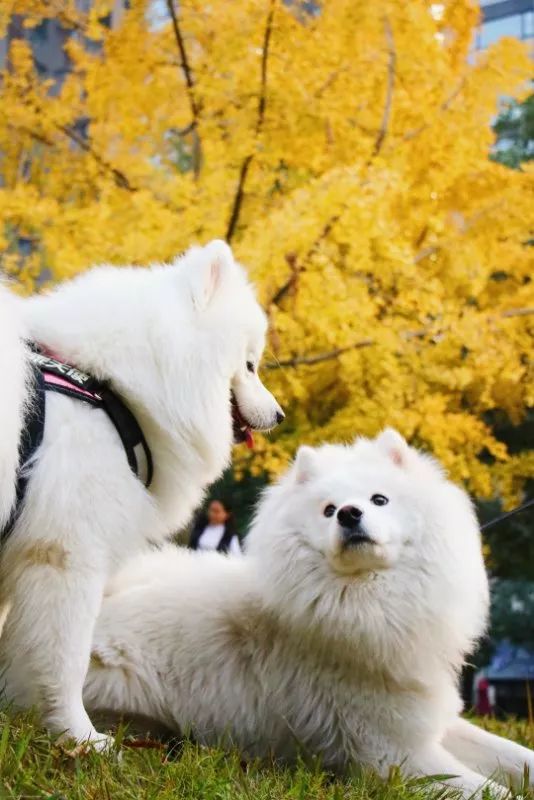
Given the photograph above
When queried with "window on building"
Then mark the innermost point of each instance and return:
(509, 18)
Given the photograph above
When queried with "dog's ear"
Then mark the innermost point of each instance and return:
(214, 265)
(394, 446)
(305, 464)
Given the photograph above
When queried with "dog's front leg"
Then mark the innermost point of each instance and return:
(55, 597)
(488, 753)
(436, 760)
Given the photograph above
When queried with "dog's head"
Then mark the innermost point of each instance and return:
(363, 505)
(376, 519)
(225, 304)
(368, 506)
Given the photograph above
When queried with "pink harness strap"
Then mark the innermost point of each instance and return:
(59, 376)
(55, 380)
(64, 381)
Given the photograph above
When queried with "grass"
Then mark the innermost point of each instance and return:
(32, 766)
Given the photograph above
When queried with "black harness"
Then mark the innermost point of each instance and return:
(53, 375)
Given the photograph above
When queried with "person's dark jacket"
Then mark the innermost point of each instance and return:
(200, 526)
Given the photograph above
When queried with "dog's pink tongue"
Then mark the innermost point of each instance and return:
(249, 438)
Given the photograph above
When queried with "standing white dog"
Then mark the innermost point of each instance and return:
(342, 630)
(180, 345)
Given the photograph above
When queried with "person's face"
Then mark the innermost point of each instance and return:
(217, 514)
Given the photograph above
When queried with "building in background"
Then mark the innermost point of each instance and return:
(514, 127)
(499, 18)
(507, 682)
(505, 18)
(49, 38)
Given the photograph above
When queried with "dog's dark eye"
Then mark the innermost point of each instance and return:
(379, 500)
(330, 510)
(250, 366)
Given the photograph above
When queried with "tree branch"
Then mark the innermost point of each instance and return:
(432, 249)
(330, 355)
(291, 259)
(515, 312)
(188, 75)
(119, 177)
(392, 61)
(37, 136)
(444, 106)
(317, 359)
(238, 199)
(278, 296)
(425, 253)
(329, 81)
(262, 104)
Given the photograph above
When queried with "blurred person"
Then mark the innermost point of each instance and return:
(485, 696)
(216, 530)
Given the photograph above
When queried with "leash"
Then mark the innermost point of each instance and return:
(513, 512)
(51, 374)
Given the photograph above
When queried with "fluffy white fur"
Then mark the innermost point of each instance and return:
(348, 649)
(12, 398)
(174, 341)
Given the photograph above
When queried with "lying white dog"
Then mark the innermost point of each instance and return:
(180, 345)
(341, 631)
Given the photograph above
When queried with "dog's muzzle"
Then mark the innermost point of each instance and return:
(350, 522)
(243, 428)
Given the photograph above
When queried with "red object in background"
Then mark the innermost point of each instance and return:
(483, 704)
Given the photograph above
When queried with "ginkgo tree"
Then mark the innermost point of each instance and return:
(342, 148)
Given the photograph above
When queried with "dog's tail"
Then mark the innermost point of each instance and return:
(14, 373)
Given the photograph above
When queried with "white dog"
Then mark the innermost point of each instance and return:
(341, 631)
(180, 345)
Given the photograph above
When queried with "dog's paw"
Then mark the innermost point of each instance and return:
(102, 742)
(99, 742)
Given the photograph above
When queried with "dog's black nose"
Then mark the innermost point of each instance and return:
(349, 517)
(279, 417)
